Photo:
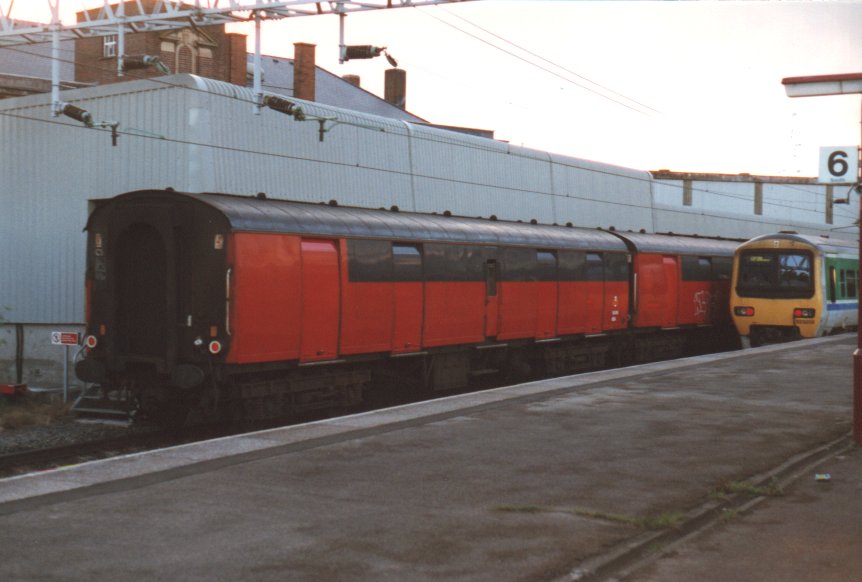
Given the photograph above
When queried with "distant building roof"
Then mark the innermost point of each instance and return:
(331, 89)
(707, 177)
(34, 60)
(26, 69)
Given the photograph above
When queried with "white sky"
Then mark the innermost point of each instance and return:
(709, 72)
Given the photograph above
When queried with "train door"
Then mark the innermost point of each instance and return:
(492, 311)
(548, 294)
(409, 295)
(320, 300)
(594, 295)
(655, 290)
(670, 266)
(142, 293)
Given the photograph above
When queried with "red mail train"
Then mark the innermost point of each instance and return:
(263, 307)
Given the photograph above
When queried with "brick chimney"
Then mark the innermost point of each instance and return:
(303, 71)
(237, 61)
(395, 89)
(352, 79)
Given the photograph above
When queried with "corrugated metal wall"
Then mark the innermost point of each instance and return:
(199, 135)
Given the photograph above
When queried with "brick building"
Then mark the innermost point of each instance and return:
(208, 51)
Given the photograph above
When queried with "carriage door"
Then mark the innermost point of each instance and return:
(492, 311)
(547, 294)
(142, 291)
(320, 300)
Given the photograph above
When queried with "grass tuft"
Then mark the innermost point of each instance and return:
(663, 521)
(725, 490)
(20, 415)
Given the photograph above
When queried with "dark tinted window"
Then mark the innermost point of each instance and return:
(519, 264)
(594, 268)
(780, 274)
(369, 260)
(696, 269)
(455, 262)
(616, 267)
(721, 268)
(572, 265)
(546, 266)
(406, 263)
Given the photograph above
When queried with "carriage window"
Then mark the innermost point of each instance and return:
(696, 269)
(595, 268)
(453, 262)
(616, 267)
(721, 268)
(847, 284)
(406, 263)
(572, 265)
(369, 260)
(547, 266)
(519, 264)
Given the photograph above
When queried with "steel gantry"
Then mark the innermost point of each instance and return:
(111, 19)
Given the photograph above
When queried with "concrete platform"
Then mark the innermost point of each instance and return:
(550, 480)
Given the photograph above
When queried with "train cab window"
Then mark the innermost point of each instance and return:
(406, 262)
(780, 274)
(851, 284)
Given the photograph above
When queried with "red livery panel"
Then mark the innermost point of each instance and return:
(245, 295)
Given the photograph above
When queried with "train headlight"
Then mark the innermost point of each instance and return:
(91, 342)
(743, 311)
(215, 347)
(803, 313)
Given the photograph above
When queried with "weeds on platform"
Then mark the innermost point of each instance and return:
(729, 488)
(28, 413)
(663, 521)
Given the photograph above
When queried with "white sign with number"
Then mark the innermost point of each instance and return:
(839, 165)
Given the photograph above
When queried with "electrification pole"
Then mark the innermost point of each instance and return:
(847, 84)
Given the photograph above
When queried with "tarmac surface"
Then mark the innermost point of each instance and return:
(702, 468)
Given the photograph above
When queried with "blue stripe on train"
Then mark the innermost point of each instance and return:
(841, 306)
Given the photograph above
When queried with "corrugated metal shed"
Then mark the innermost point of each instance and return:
(197, 135)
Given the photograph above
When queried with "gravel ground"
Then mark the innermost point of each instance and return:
(60, 434)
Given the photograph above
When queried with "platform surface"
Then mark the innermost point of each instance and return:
(539, 481)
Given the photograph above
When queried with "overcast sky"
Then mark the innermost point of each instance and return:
(688, 86)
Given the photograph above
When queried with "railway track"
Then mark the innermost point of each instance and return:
(42, 459)
(149, 438)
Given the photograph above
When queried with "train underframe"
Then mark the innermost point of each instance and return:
(241, 393)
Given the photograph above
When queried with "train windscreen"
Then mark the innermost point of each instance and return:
(775, 274)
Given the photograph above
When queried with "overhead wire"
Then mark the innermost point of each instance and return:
(538, 56)
(545, 69)
(462, 144)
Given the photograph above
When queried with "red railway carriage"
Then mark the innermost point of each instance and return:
(280, 306)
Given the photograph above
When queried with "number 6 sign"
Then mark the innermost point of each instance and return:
(839, 165)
